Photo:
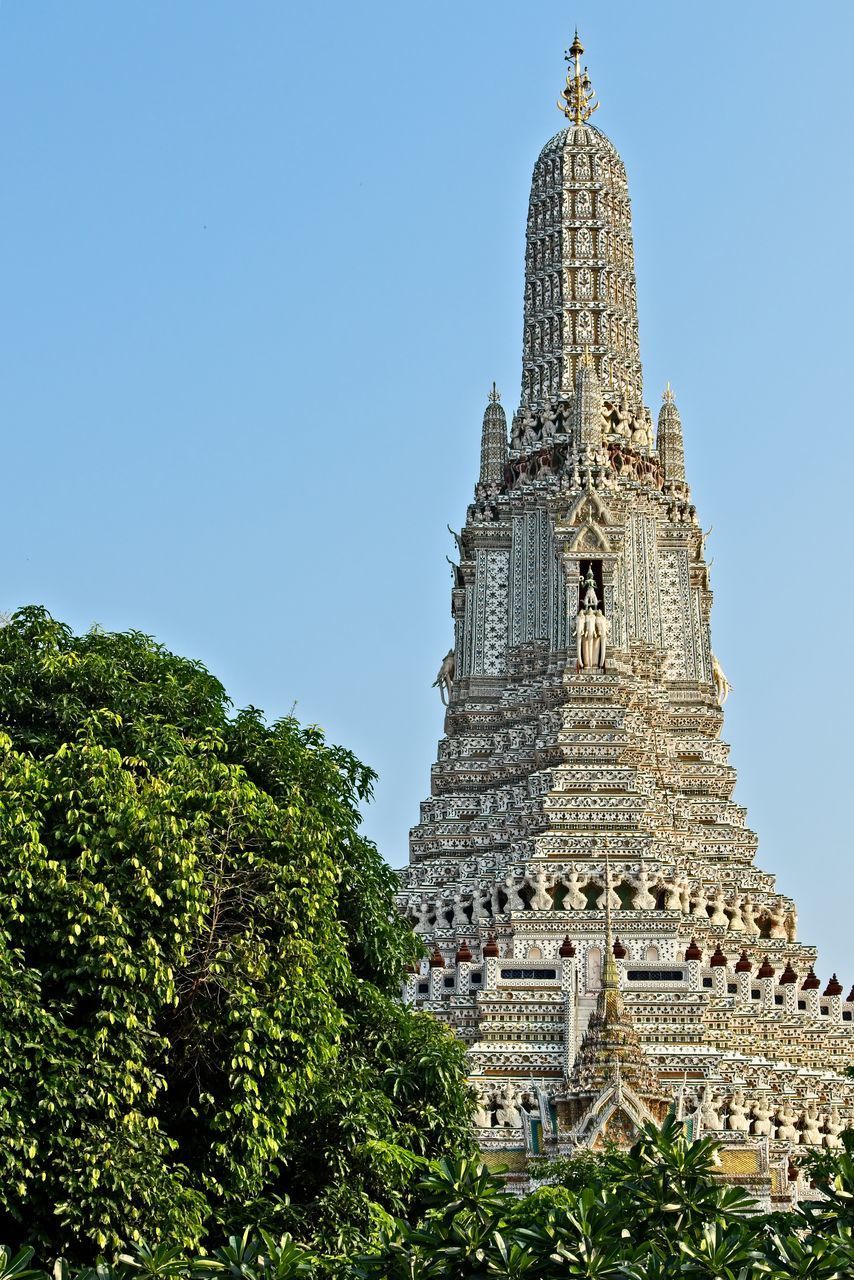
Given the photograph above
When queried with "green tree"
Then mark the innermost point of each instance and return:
(199, 955)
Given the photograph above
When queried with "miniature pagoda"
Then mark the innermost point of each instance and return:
(582, 789)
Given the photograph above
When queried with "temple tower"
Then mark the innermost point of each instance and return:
(582, 788)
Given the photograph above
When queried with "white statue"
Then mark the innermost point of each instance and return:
(719, 915)
(482, 1112)
(541, 900)
(673, 898)
(762, 1114)
(709, 1112)
(508, 1112)
(601, 627)
(748, 915)
(699, 902)
(642, 899)
(495, 901)
(612, 896)
(514, 898)
(792, 925)
(736, 924)
(723, 688)
(811, 1135)
(786, 1130)
(575, 899)
(738, 1121)
(588, 638)
(684, 895)
(834, 1127)
(460, 920)
(422, 911)
(578, 632)
(547, 415)
(777, 919)
(445, 679)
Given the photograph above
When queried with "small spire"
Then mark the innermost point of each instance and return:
(668, 397)
(577, 98)
(495, 395)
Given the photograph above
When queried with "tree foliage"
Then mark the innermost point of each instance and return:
(198, 959)
(653, 1213)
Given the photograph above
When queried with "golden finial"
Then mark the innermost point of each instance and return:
(669, 397)
(576, 101)
(494, 395)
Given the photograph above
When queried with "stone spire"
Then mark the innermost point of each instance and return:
(587, 405)
(579, 265)
(671, 451)
(493, 440)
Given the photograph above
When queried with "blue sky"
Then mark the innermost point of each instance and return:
(260, 264)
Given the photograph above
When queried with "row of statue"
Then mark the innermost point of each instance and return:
(621, 421)
(762, 1118)
(502, 1110)
(541, 890)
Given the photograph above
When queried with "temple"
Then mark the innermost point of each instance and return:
(597, 929)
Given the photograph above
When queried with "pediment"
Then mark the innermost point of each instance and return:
(588, 509)
(588, 538)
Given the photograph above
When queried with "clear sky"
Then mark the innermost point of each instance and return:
(260, 263)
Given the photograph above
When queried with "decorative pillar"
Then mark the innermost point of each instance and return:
(743, 970)
(566, 953)
(693, 957)
(409, 991)
(765, 974)
(833, 993)
(810, 987)
(463, 963)
(718, 967)
(789, 984)
(490, 963)
(437, 975)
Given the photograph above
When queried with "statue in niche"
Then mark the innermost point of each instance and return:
(811, 1122)
(777, 921)
(623, 418)
(516, 430)
(709, 1112)
(719, 915)
(541, 901)
(786, 1129)
(642, 899)
(748, 915)
(673, 898)
(515, 902)
(612, 897)
(508, 1112)
(422, 912)
(601, 627)
(762, 1114)
(445, 679)
(482, 1117)
(549, 420)
(642, 430)
(528, 428)
(699, 902)
(684, 895)
(459, 918)
(738, 1121)
(495, 900)
(574, 896)
(792, 925)
(834, 1127)
(736, 924)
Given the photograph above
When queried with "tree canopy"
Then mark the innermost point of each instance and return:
(199, 960)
